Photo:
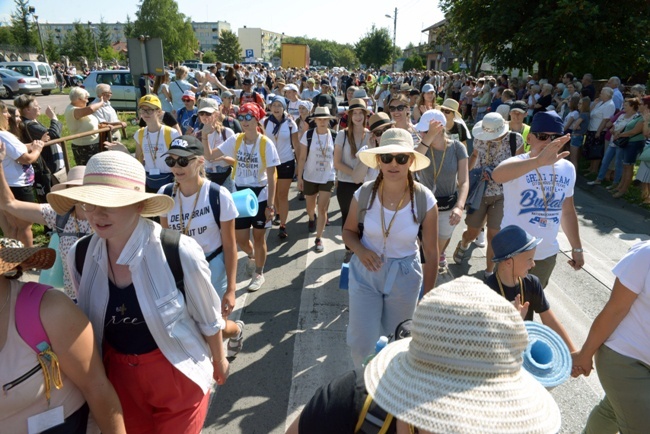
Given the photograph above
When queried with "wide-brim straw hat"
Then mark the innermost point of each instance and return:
(322, 113)
(394, 141)
(379, 120)
(13, 254)
(112, 179)
(452, 104)
(461, 371)
(75, 178)
(491, 127)
(358, 103)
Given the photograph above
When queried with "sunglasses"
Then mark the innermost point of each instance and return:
(445, 111)
(378, 133)
(397, 108)
(400, 158)
(204, 114)
(247, 117)
(543, 136)
(181, 161)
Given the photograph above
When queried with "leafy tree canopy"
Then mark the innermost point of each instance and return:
(228, 50)
(23, 31)
(328, 53)
(375, 48)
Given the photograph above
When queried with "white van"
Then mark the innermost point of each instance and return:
(40, 70)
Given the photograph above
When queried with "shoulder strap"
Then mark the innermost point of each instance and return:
(28, 316)
(169, 190)
(223, 134)
(513, 143)
(141, 136)
(80, 252)
(215, 203)
(260, 173)
(238, 141)
(310, 135)
(167, 134)
(61, 221)
(420, 202)
(170, 241)
(364, 200)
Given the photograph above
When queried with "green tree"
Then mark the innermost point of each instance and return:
(78, 43)
(129, 31)
(325, 52)
(23, 30)
(161, 19)
(413, 62)
(228, 50)
(557, 35)
(347, 58)
(103, 35)
(110, 54)
(209, 57)
(51, 48)
(6, 36)
(374, 49)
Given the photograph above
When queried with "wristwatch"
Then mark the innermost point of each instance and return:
(578, 250)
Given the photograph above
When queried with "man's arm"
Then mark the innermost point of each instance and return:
(515, 168)
(571, 229)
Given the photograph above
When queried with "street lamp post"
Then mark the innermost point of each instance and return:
(394, 17)
(32, 10)
(92, 30)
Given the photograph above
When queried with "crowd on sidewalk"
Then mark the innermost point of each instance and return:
(149, 243)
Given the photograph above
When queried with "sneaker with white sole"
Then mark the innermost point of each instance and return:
(480, 240)
(318, 245)
(256, 282)
(250, 266)
(235, 345)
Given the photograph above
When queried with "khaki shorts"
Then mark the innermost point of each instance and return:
(311, 188)
(492, 209)
(543, 269)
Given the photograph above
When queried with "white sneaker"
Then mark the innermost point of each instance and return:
(250, 266)
(256, 282)
(480, 240)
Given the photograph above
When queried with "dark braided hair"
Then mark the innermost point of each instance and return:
(375, 187)
(411, 192)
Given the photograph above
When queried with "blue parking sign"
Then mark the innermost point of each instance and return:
(249, 53)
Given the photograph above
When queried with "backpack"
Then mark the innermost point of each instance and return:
(170, 240)
(31, 330)
(61, 221)
(364, 202)
(167, 134)
(215, 204)
(310, 135)
(238, 142)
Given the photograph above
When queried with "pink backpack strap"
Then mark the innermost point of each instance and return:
(28, 316)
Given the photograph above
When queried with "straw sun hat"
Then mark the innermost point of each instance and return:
(394, 141)
(112, 179)
(461, 371)
(13, 254)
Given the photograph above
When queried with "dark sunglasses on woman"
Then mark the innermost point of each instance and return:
(397, 108)
(400, 158)
(543, 136)
(247, 117)
(181, 161)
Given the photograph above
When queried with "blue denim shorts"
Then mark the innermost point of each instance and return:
(577, 140)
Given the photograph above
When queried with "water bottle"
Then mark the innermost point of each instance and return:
(381, 343)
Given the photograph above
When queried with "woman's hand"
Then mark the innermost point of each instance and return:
(221, 371)
(582, 364)
(300, 184)
(50, 113)
(455, 216)
(269, 213)
(369, 259)
(227, 303)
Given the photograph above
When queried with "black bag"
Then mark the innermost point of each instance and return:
(622, 142)
(43, 180)
(594, 147)
(154, 182)
(445, 203)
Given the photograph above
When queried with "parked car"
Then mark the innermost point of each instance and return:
(16, 83)
(39, 70)
(125, 91)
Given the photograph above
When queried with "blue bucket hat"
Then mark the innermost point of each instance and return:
(547, 122)
(511, 241)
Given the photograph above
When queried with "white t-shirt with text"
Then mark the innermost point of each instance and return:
(319, 166)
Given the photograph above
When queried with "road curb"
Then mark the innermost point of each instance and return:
(599, 192)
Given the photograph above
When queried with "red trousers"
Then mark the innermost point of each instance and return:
(156, 397)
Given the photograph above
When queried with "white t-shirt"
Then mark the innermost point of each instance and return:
(249, 163)
(283, 139)
(215, 139)
(16, 174)
(523, 203)
(177, 89)
(293, 109)
(319, 167)
(202, 226)
(602, 110)
(154, 147)
(371, 174)
(575, 114)
(344, 145)
(633, 333)
(402, 240)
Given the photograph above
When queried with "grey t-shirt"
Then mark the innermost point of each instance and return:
(447, 182)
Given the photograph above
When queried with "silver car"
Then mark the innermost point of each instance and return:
(16, 83)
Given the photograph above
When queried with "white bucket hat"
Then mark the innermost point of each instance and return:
(461, 370)
(492, 126)
(112, 179)
(394, 141)
(427, 117)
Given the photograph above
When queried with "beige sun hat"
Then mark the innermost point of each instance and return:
(13, 253)
(491, 127)
(358, 103)
(461, 370)
(75, 177)
(452, 105)
(112, 179)
(394, 141)
(322, 113)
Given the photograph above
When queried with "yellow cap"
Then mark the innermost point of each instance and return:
(150, 100)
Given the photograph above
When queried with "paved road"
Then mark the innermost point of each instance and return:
(295, 325)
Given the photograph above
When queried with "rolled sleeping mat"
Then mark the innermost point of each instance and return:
(53, 276)
(246, 202)
(547, 357)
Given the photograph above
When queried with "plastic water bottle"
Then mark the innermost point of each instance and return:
(381, 343)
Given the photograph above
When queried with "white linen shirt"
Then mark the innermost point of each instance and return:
(176, 326)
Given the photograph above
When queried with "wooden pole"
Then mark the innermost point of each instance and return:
(73, 137)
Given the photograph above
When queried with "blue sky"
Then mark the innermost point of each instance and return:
(339, 21)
